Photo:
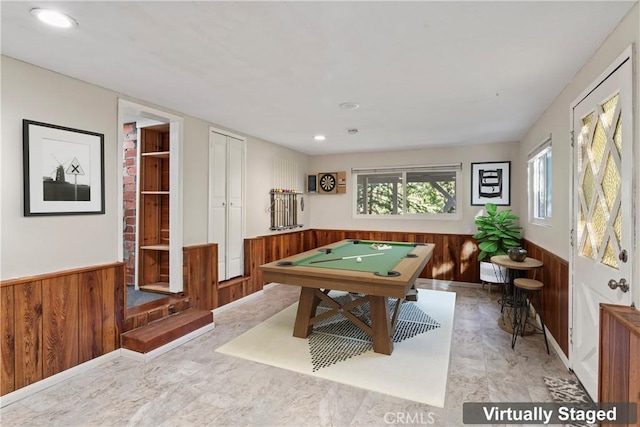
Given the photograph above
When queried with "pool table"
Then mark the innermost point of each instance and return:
(372, 275)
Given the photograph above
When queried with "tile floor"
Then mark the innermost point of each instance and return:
(194, 386)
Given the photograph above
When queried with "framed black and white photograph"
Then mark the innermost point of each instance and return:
(490, 183)
(63, 170)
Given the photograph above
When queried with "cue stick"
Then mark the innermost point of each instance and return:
(295, 209)
(273, 208)
(344, 257)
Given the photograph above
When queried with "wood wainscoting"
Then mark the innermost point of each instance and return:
(200, 275)
(53, 322)
(619, 363)
(555, 294)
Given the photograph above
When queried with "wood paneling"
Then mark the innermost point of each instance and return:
(200, 272)
(230, 293)
(60, 323)
(55, 321)
(619, 362)
(283, 245)
(112, 308)
(28, 343)
(146, 313)
(7, 340)
(254, 252)
(90, 316)
(555, 294)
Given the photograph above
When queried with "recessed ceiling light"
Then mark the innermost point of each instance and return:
(349, 106)
(53, 18)
(319, 137)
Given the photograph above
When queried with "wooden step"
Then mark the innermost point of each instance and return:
(158, 288)
(163, 331)
(141, 315)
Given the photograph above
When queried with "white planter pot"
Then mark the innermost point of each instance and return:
(491, 273)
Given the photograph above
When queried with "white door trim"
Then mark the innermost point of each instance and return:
(127, 109)
(626, 55)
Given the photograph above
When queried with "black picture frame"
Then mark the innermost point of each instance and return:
(63, 170)
(491, 183)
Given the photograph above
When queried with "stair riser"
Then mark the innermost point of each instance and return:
(141, 319)
(157, 334)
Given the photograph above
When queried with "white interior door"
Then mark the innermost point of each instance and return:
(226, 216)
(218, 200)
(235, 237)
(602, 217)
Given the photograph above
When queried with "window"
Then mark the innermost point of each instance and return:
(539, 166)
(416, 191)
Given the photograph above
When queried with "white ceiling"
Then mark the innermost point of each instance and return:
(425, 73)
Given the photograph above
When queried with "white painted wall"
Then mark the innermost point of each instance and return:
(260, 160)
(556, 121)
(34, 245)
(334, 211)
(38, 245)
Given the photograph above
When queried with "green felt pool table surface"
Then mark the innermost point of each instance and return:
(390, 274)
(371, 260)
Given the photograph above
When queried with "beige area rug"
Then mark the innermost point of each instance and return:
(338, 351)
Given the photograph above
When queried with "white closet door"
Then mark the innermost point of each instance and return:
(235, 238)
(218, 208)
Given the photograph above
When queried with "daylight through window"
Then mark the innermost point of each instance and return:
(540, 183)
(417, 190)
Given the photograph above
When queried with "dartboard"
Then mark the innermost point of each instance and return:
(327, 182)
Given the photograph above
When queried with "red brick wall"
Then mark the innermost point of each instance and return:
(130, 171)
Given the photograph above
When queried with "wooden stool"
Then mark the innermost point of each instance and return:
(524, 290)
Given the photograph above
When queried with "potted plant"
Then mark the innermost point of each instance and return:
(497, 233)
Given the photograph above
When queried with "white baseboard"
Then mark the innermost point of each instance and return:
(43, 384)
(145, 357)
(552, 341)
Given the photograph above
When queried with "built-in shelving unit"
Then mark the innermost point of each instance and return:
(154, 173)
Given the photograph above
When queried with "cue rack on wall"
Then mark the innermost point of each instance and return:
(284, 209)
(284, 199)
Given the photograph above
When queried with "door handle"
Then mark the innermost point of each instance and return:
(622, 284)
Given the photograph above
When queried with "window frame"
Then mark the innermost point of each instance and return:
(544, 149)
(404, 170)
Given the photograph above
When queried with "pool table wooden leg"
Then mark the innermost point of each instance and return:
(306, 311)
(381, 324)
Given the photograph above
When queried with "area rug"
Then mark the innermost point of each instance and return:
(567, 390)
(338, 351)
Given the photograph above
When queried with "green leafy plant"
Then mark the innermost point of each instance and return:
(497, 232)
